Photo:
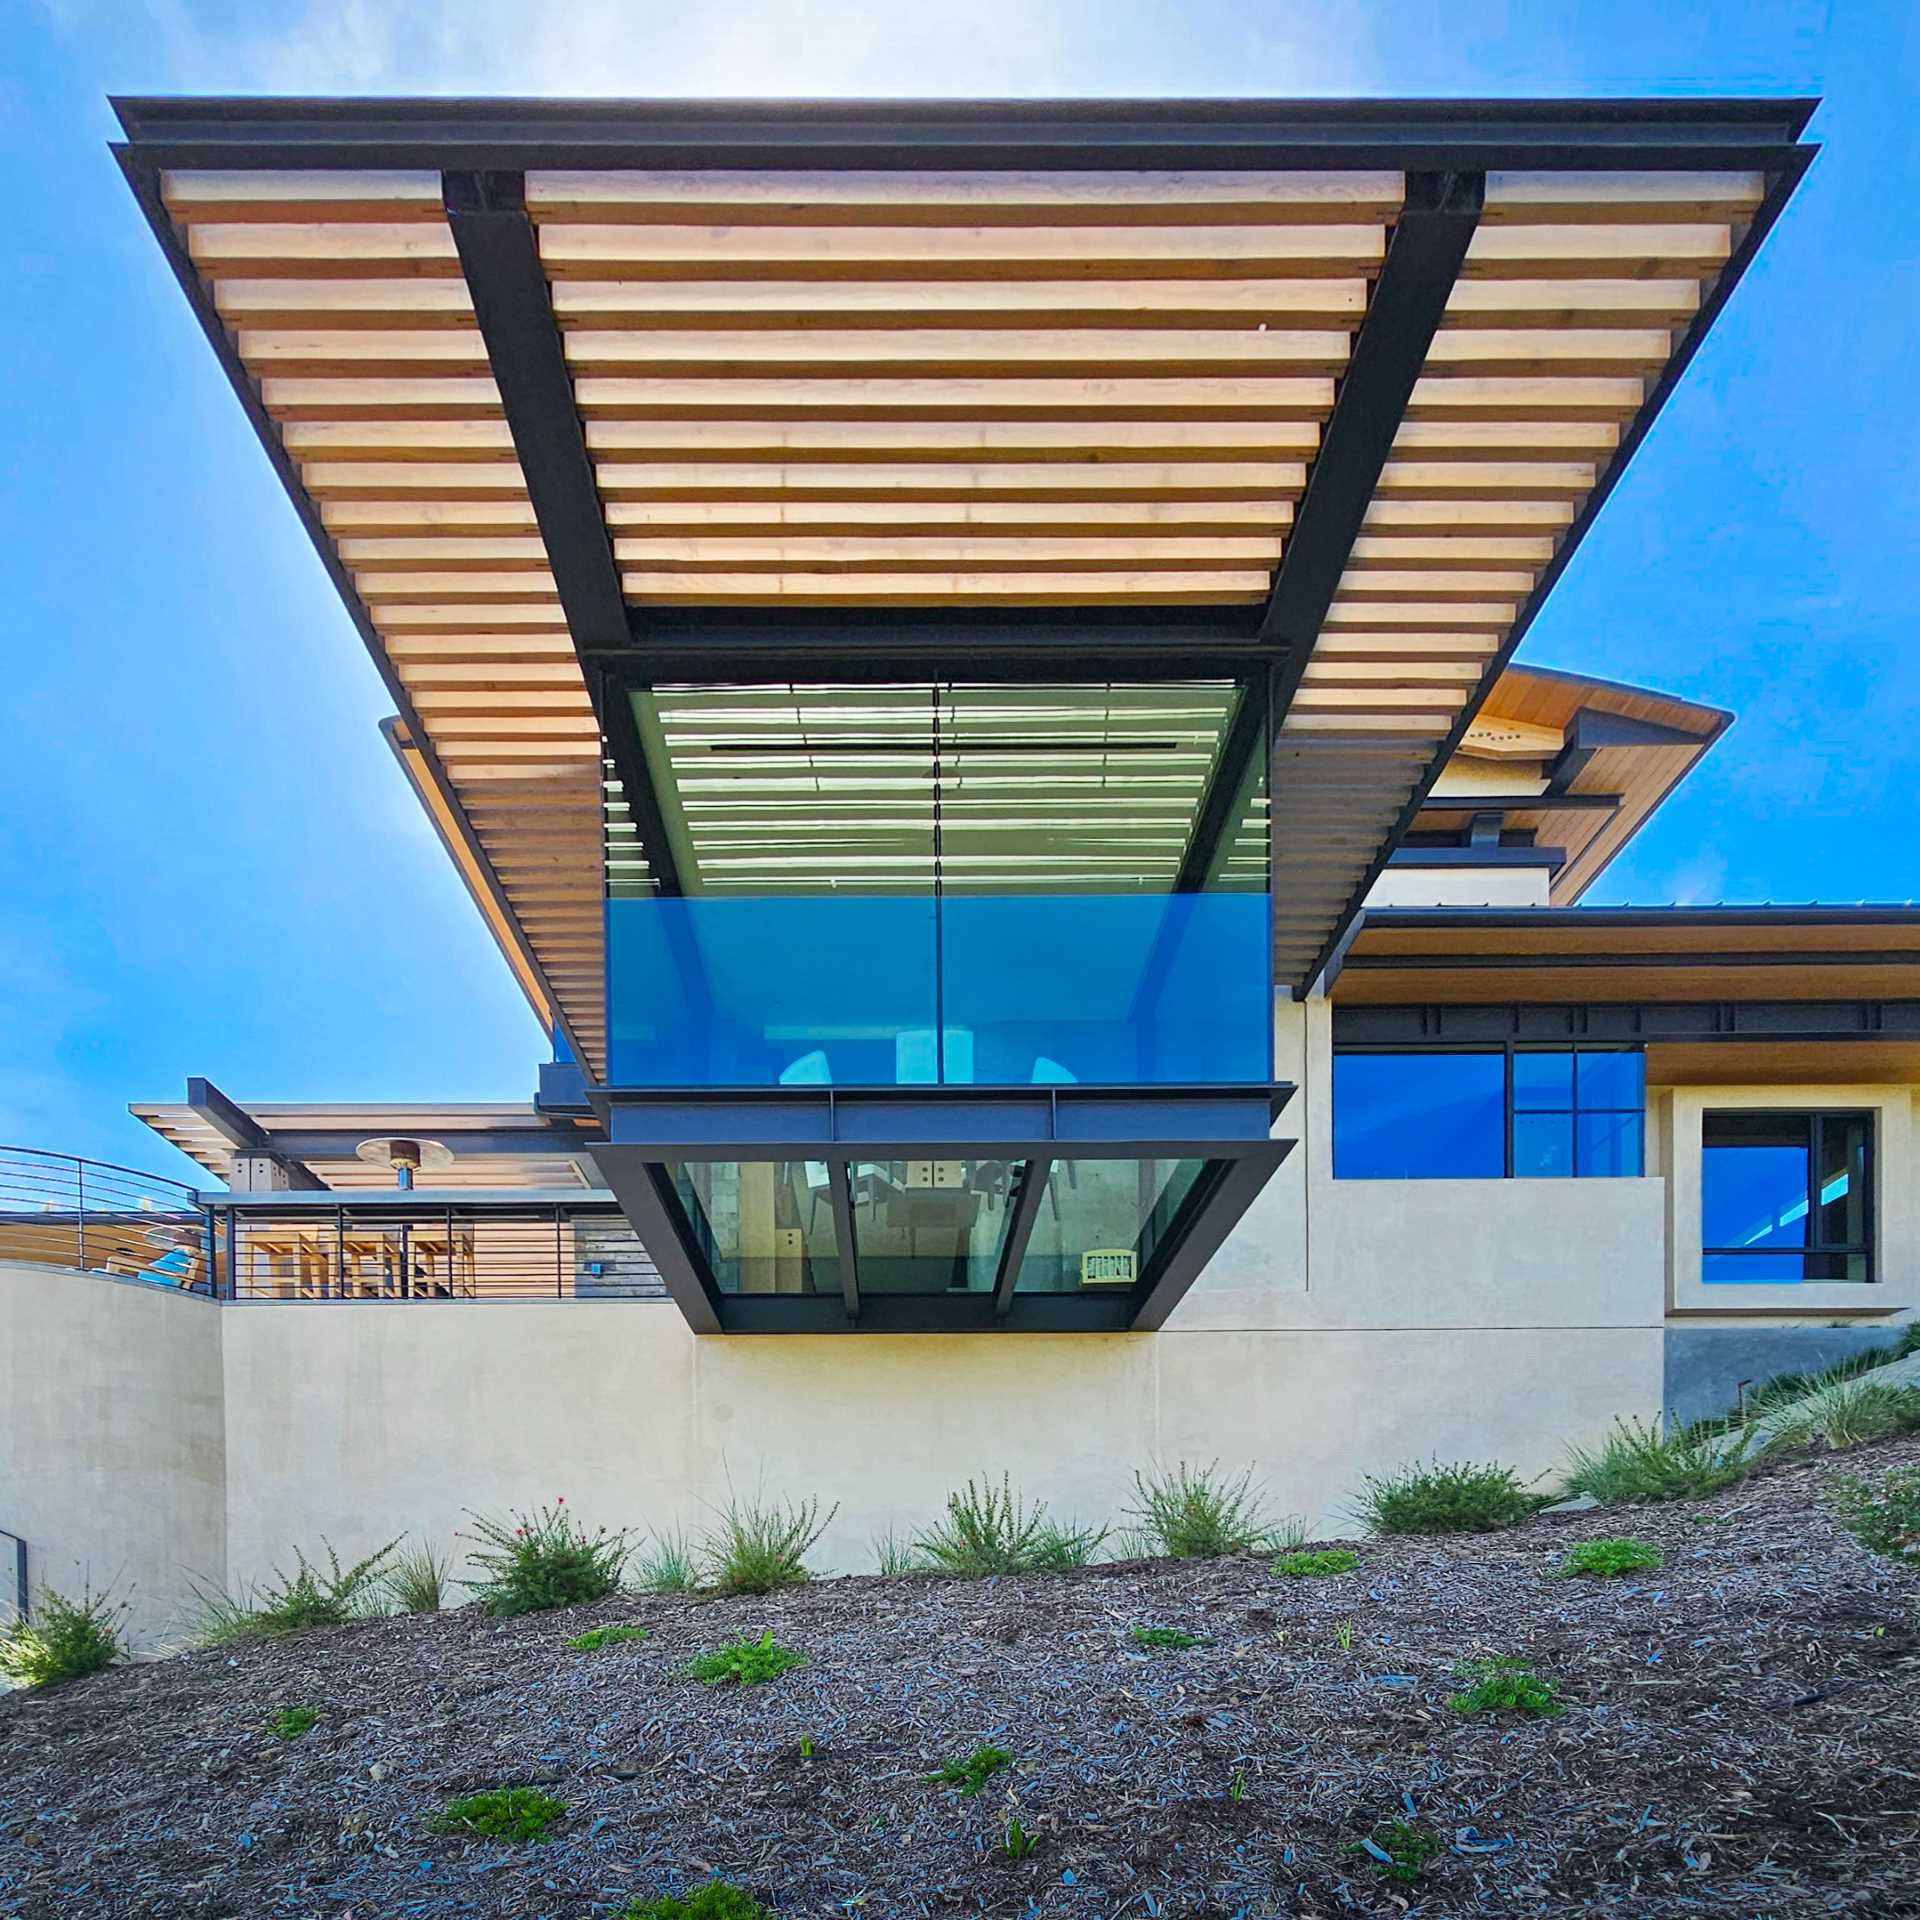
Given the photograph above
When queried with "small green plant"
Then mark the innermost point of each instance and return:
(1322, 1565)
(64, 1639)
(745, 1663)
(664, 1564)
(1610, 1558)
(291, 1722)
(1163, 1639)
(1199, 1513)
(597, 1637)
(972, 1771)
(1399, 1849)
(989, 1530)
(756, 1547)
(1445, 1497)
(716, 1900)
(291, 1603)
(1343, 1636)
(502, 1813)
(1884, 1514)
(1639, 1463)
(532, 1563)
(1237, 1787)
(806, 1746)
(418, 1580)
(895, 1555)
(1019, 1842)
(1502, 1685)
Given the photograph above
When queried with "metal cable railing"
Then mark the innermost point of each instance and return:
(60, 1211)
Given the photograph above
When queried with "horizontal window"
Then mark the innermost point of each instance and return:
(1529, 1113)
(1786, 1198)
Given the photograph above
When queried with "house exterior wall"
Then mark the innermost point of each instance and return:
(113, 1458)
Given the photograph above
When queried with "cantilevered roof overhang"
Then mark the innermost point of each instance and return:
(1311, 397)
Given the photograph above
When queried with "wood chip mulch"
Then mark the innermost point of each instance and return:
(1740, 1739)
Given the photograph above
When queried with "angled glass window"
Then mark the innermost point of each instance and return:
(931, 1226)
(1786, 1197)
(1100, 1221)
(762, 1226)
(944, 884)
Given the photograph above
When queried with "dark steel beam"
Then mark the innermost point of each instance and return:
(519, 134)
(241, 1131)
(1524, 803)
(1223, 801)
(1579, 919)
(1723, 960)
(1020, 1224)
(1844, 1023)
(1212, 1213)
(142, 175)
(1784, 172)
(500, 256)
(1592, 729)
(849, 1240)
(1429, 243)
(653, 1213)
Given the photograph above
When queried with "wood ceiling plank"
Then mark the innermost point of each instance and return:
(955, 589)
(969, 439)
(1150, 480)
(924, 551)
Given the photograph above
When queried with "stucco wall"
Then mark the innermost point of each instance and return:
(112, 1436)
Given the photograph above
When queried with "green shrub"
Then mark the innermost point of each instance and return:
(1316, 1566)
(1883, 1515)
(1399, 1849)
(664, 1564)
(714, 1901)
(988, 1530)
(1163, 1639)
(1199, 1513)
(1608, 1559)
(291, 1722)
(972, 1772)
(1637, 1464)
(597, 1637)
(1500, 1685)
(532, 1563)
(756, 1548)
(417, 1581)
(501, 1813)
(1445, 1497)
(1840, 1413)
(895, 1556)
(309, 1597)
(64, 1638)
(746, 1663)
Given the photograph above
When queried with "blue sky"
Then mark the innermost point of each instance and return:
(208, 861)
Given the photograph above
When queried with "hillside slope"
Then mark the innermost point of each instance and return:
(1739, 1739)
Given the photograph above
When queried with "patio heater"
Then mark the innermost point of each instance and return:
(405, 1156)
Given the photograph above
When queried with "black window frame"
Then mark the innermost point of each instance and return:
(1507, 1050)
(1812, 1119)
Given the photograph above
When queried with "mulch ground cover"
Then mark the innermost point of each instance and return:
(1739, 1739)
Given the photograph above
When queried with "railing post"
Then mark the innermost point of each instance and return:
(559, 1261)
(232, 1290)
(210, 1251)
(80, 1208)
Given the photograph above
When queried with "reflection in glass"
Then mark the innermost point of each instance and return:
(1101, 1220)
(1419, 1116)
(1786, 1197)
(762, 1226)
(1542, 1080)
(1543, 1145)
(931, 1226)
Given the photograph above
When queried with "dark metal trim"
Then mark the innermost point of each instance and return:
(143, 178)
(1026, 1211)
(1572, 919)
(432, 133)
(1592, 729)
(241, 1131)
(1476, 854)
(683, 634)
(622, 733)
(1429, 243)
(1725, 959)
(1232, 1187)
(1784, 171)
(1223, 800)
(22, 1588)
(1525, 803)
(654, 1214)
(847, 1238)
(921, 1313)
(1625, 1022)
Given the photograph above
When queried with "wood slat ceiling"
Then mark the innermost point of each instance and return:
(1569, 307)
(1641, 775)
(843, 389)
(471, 1170)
